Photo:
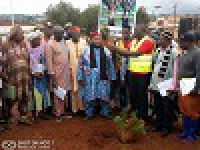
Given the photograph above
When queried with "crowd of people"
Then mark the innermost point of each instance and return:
(57, 72)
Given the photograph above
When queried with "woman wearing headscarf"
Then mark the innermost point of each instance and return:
(39, 88)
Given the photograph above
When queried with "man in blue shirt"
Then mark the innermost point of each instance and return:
(95, 72)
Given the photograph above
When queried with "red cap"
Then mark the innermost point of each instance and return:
(74, 29)
(93, 34)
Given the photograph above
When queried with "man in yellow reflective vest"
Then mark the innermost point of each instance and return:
(140, 71)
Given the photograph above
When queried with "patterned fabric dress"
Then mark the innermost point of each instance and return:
(39, 85)
(19, 75)
(94, 87)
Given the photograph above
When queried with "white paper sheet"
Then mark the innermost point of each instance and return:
(60, 92)
(164, 86)
(187, 85)
(38, 68)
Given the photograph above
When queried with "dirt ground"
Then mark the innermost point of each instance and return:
(99, 133)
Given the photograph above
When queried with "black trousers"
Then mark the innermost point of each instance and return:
(164, 110)
(139, 94)
(124, 91)
(121, 89)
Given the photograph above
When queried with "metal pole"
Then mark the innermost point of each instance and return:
(12, 11)
(156, 15)
(175, 7)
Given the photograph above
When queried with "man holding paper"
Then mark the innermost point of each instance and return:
(189, 78)
(59, 69)
(161, 82)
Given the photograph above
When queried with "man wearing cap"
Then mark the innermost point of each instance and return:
(95, 72)
(75, 46)
(19, 72)
(58, 67)
(164, 59)
(189, 67)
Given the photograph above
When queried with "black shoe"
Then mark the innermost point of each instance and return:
(198, 133)
(44, 117)
(81, 113)
(2, 129)
(59, 119)
(88, 118)
(108, 117)
(165, 132)
(156, 129)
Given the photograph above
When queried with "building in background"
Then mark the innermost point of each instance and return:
(6, 25)
(183, 23)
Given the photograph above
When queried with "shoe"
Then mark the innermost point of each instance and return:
(2, 122)
(81, 113)
(185, 132)
(192, 131)
(2, 129)
(156, 129)
(25, 121)
(165, 132)
(44, 117)
(198, 133)
(59, 119)
(88, 118)
(183, 135)
(108, 117)
(191, 138)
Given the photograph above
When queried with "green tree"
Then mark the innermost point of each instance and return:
(62, 13)
(142, 16)
(89, 19)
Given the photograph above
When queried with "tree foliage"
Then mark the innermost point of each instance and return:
(142, 16)
(62, 13)
(89, 19)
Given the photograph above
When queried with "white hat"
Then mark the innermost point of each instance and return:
(34, 35)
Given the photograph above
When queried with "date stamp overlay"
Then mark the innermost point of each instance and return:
(26, 144)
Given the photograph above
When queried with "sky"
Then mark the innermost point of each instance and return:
(39, 6)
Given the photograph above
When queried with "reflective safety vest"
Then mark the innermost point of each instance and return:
(120, 45)
(143, 63)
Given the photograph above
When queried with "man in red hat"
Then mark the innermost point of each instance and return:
(95, 72)
(75, 45)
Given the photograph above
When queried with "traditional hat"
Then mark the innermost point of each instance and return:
(93, 34)
(58, 29)
(34, 35)
(74, 29)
